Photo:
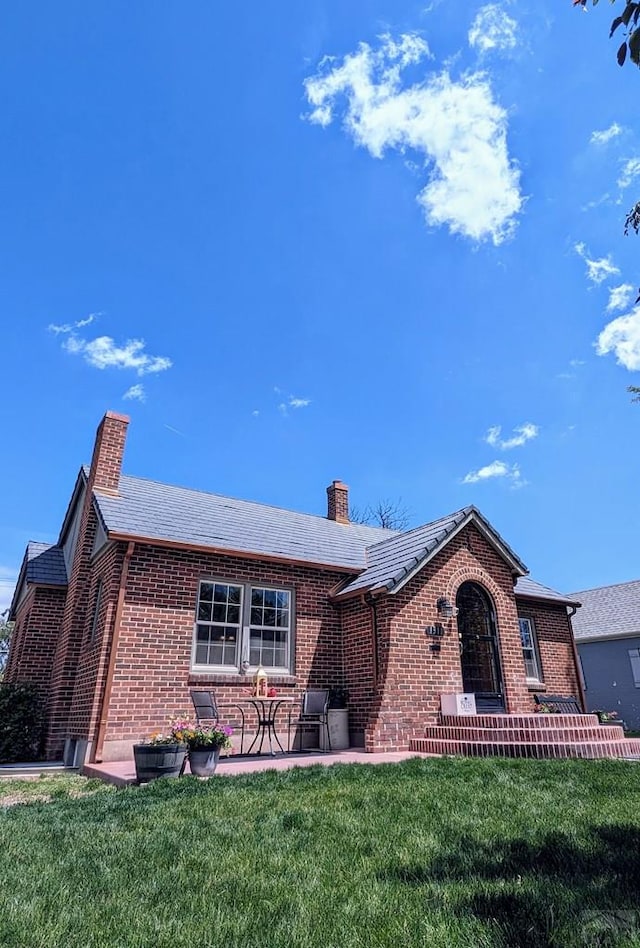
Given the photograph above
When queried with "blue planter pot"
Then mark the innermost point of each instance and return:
(204, 762)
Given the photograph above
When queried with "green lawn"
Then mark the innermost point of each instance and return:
(447, 853)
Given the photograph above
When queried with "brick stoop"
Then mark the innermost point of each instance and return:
(527, 735)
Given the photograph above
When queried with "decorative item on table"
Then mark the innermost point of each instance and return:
(272, 692)
(261, 683)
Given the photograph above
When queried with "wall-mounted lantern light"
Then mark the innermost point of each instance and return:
(445, 609)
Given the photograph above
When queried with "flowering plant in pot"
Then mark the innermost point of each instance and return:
(204, 743)
(160, 755)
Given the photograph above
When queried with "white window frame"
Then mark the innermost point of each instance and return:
(634, 660)
(533, 648)
(243, 665)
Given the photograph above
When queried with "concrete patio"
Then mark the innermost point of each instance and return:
(122, 773)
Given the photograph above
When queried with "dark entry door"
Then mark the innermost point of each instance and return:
(479, 654)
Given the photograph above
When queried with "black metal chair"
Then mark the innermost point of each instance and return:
(561, 704)
(207, 709)
(313, 713)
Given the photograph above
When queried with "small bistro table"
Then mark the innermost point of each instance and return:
(266, 710)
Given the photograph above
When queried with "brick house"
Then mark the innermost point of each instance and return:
(152, 590)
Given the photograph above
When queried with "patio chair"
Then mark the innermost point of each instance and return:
(313, 713)
(561, 704)
(207, 709)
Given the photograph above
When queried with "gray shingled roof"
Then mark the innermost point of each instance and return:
(383, 558)
(395, 559)
(162, 512)
(528, 587)
(608, 612)
(45, 565)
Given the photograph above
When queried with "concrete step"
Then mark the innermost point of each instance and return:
(44, 768)
(530, 734)
(550, 722)
(541, 750)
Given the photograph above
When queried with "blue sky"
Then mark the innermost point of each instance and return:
(300, 268)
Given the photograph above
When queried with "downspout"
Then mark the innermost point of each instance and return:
(372, 603)
(576, 660)
(96, 755)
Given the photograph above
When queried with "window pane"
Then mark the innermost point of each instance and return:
(257, 597)
(269, 617)
(282, 618)
(256, 616)
(270, 597)
(219, 612)
(282, 599)
(254, 656)
(206, 592)
(279, 657)
(235, 594)
(233, 614)
(204, 612)
(203, 633)
(201, 654)
(221, 593)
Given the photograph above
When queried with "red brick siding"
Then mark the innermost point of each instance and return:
(34, 637)
(553, 633)
(95, 648)
(152, 673)
(415, 676)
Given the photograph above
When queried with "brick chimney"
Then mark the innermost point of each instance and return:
(338, 502)
(106, 463)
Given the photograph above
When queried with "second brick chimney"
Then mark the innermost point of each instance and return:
(106, 463)
(338, 502)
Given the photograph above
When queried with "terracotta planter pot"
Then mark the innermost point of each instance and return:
(158, 760)
(204, 761)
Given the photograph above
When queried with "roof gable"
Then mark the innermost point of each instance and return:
(43, 565)
(395, 560)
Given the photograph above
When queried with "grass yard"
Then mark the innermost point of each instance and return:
(449, 852)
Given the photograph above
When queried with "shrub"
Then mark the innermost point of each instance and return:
(21, 723)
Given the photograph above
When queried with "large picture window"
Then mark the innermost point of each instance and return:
(530, 650)
(241, 626)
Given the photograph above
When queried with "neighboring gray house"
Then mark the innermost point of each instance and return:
(607, 633)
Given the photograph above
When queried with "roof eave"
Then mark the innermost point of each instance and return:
(225, 551)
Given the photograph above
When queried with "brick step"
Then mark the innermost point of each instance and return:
(627, 747)
(550, 722)
(528, 735)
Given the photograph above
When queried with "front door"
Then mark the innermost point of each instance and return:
(479, 654)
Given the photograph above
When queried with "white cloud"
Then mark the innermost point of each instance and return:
(622, 337)
(104, 353)
(604, 136)
(255, 412)
(455, 126)
(293, 402)
(630, 171)
(493, 30)
(620, 297)
(496, 469)
(136, 393)
(523, 433)
(70, 327)
(598, 270)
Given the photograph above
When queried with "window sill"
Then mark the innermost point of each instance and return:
(534, 685)
(198, 677)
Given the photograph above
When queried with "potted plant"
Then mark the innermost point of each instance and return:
(162, 755)
(204, 743)
(608, 717)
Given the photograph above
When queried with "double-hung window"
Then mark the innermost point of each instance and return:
(240, 626)
(530, 650)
